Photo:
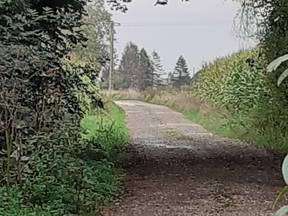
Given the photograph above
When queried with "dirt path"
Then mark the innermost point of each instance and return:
(177, 168)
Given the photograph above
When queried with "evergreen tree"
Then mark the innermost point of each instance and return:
(158, 71)
(145, 71)
(180, 76)
(127, 73)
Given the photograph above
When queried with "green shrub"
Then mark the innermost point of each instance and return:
(68, 177)
(106, 131)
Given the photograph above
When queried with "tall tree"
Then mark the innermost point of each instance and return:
(158, 71)
(180, 76)
(127, 75)
(145, 71)
(96, 29)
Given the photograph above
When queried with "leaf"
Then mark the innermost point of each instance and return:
(281, 195)
(276, 63)
(25, 159)
(282, 77)
(8, 19)
(282, 212)
(285, 169)
(19, 124)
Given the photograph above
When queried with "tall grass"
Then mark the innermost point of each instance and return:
(129, 94)
(107, 130)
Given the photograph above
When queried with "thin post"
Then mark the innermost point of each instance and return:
(111, 56)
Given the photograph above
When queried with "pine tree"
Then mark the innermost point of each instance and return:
(145, 71)
(158, 71)
(127, 72)
(180, 76)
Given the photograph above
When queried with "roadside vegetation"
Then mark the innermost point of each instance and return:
(233, 97)
(60, 142)
(80, 177)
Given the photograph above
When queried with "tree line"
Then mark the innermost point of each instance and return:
(139, 70)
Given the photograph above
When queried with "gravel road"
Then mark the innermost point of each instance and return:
(177, 168)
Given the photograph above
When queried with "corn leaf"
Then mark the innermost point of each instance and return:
(281, 196)
(282, 77)
(276, 63)
(282, 212)
(285, 169)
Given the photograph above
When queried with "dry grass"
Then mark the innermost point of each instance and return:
(181, 100)
(130, 94)
(178, 99)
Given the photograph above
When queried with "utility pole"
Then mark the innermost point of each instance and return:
(111, 56)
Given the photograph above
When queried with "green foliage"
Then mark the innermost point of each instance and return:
(270, 20)
(128, 68)
(234, 97)
(96, 29)
(282, 212)
(88, 89)
(37, 94)
(137, 70)
(107, 131)
(44, 96)
(159, 78)
(274, 65)
(145, 71)
(240, 85)
(72, 177)
(12, 205)
(180, 76)
(234, 83)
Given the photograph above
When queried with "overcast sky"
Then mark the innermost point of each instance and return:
(200, 30)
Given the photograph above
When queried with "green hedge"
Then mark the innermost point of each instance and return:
(240, 85)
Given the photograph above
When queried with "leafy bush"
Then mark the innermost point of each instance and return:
(72, 178)
(37, 94)
(43, 97)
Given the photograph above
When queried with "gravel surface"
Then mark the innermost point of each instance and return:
(176, 167)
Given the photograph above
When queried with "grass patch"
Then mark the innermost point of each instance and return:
(79, 181)
(107, 130)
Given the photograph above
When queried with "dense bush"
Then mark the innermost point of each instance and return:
(37, 94)
(44, 94)
(68, 177)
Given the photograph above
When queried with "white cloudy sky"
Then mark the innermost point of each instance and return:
(200, 30)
